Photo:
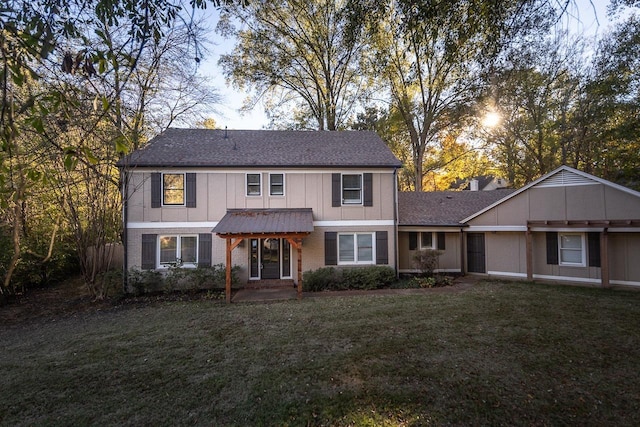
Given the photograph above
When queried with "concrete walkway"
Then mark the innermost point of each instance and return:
(281, 294)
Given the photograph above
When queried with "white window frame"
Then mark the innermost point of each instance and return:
(178, 251)
(583, 250)
(271, 185)
(184, 188)
(433, 240)
(356, 261)
(342, 189)
(246, 184)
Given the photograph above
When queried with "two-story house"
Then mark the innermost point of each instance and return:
(275, 203)
(278, 203)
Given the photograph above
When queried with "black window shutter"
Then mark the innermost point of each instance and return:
(191, 190)
(413, 241)
(330, 248)
(367, 185)
(552, 247)
(594, 249)
(148, 251)
(441, 244)
(382, 248)
(156, 190)
(204, 249)
(336, 190)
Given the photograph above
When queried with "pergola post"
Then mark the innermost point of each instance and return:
(529, 255)
(300, 269)
(230, 247)
(604, 258)
(228, 270)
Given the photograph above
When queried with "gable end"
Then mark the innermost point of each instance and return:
(564, 178)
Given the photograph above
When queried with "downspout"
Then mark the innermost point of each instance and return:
(125, 222)
(395, 222)
(463, 270)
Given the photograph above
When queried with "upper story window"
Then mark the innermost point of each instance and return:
(178, 251)
(352, 189)
(173, 189)
(571, 249)
(253, 184)
(276, 184)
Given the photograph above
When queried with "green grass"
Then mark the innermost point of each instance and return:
(498, 354)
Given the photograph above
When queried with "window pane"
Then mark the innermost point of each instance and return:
(168, 248)
(427, 240)
(286, 258)
(351, 196)
(345, 246)
(188, 246)
(173, 188)
(571, 256)
(365, 247)
(351, 188)
(173, 197)
(254, 258)
(277, 184)
(571, 241)
(253, 184)
(351, 181)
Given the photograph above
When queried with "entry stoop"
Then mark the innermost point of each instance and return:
(270, 284)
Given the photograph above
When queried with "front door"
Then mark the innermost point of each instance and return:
(475, 253)
(270, 257)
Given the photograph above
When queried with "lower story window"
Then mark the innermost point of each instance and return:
(571, 249)
(178, 250)
(355, 248)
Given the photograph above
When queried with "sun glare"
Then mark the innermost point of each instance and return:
(491, 119)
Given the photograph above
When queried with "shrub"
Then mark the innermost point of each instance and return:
(332, 279)
(322, 279)
(426, 260)
(180, 279)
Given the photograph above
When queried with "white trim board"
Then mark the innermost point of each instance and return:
(172, 224)
(561, 278)
(480, 228)
(355, 223)
(211, 224)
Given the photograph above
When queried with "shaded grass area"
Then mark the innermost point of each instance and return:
(497, 354)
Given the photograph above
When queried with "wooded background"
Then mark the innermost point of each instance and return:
(85, 82)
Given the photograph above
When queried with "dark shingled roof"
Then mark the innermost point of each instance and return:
(444, 208)
(269, 221)
(263, 148)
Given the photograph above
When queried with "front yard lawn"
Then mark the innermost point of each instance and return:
(496, 354)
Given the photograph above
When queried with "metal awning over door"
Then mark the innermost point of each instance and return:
(290, 224)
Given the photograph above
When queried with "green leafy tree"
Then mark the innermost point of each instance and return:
(302, 57)
(431, 54)
(79, 78)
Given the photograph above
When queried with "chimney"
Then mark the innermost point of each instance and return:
(473, 185)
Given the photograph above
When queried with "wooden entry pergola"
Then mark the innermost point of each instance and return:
(233, 240)
(239, 224)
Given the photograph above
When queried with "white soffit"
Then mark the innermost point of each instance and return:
(564, 178)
